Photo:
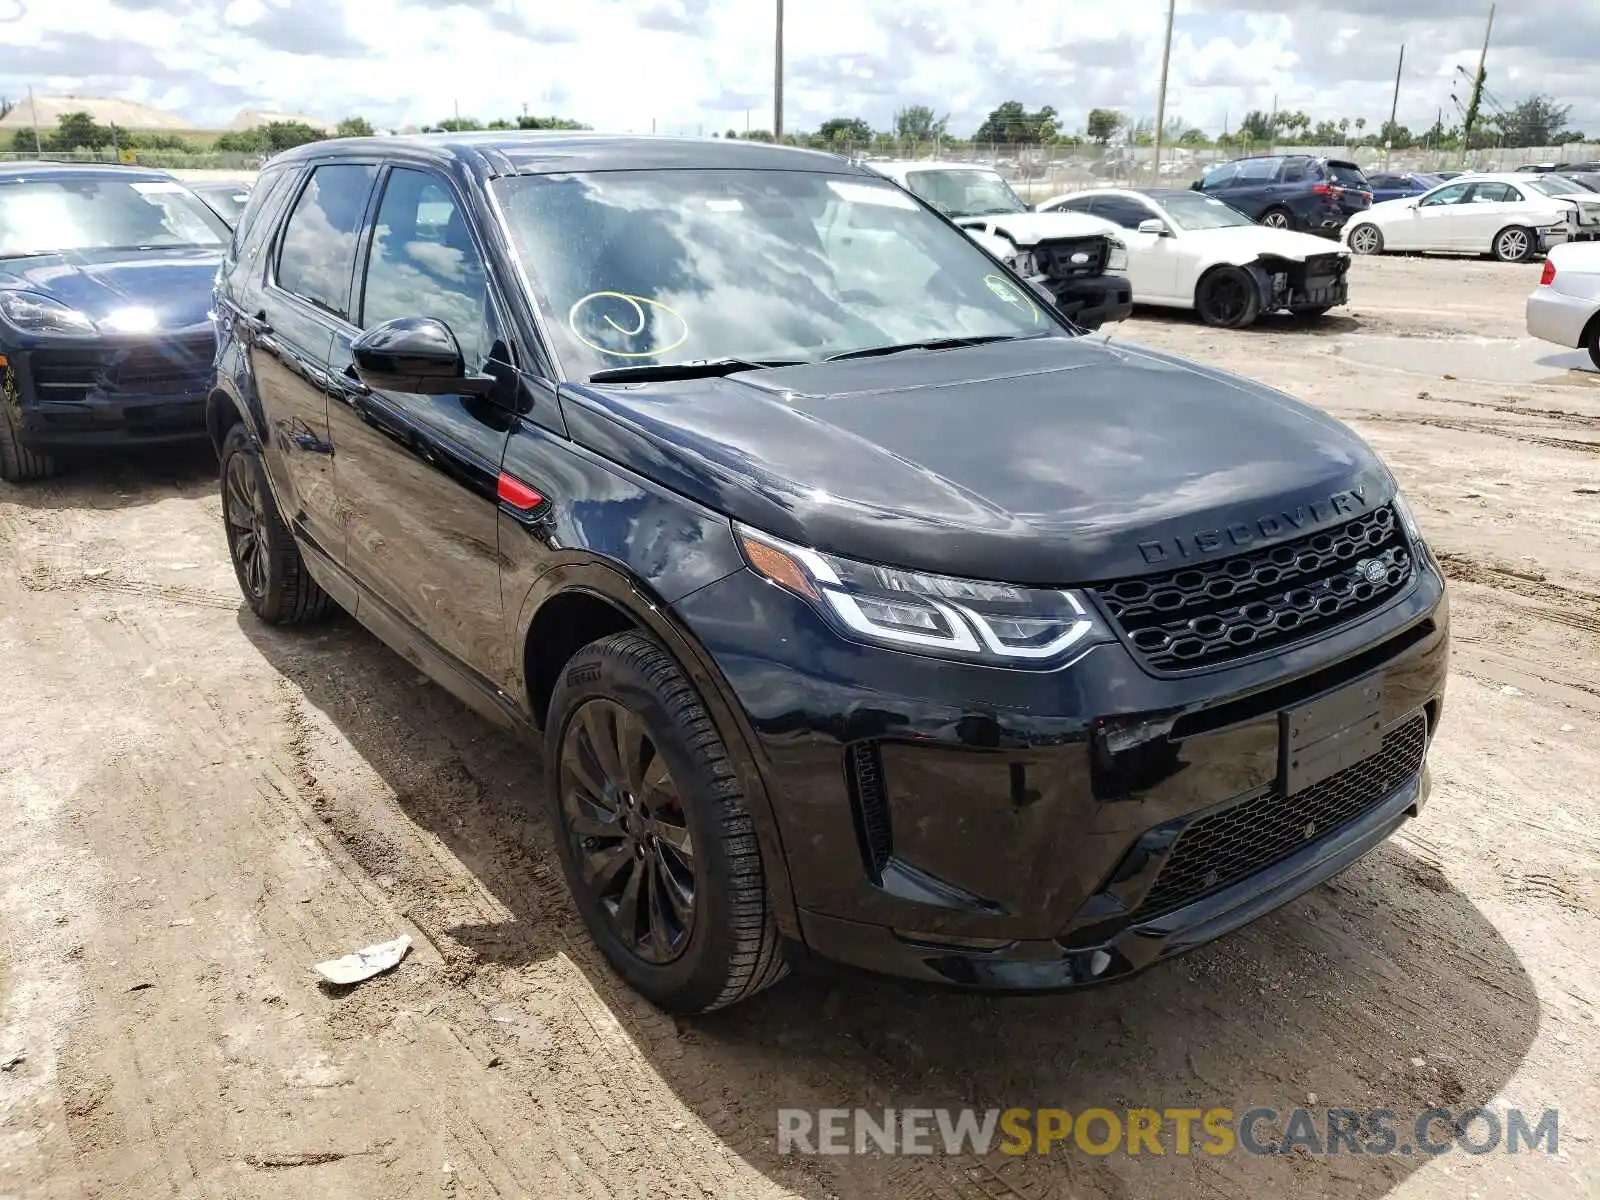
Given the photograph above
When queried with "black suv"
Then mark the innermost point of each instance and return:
(1291, 191)
(859, 602)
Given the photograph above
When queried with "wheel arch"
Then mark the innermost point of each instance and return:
(589, 596)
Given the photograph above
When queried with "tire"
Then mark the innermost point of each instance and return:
(266, 562)
(647, 829)
(1513, 244)
(1278, 218)
(1592, 342)
(1228, 298)
(18, 464)
(1365, 238)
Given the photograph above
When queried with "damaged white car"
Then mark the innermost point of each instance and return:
(1188, 250)
(1080, 260)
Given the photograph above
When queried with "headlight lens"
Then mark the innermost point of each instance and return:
(1408, 522)
(1117, 260)
(32, 313)
(930, 614)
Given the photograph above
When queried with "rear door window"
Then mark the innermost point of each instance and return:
(317, 254)
(1121, 210)
(1490, 193)
(1257, 170)
(1298, 170)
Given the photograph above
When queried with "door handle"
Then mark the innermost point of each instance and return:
(258, 324)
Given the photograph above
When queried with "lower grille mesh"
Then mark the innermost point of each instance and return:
(1226, 846)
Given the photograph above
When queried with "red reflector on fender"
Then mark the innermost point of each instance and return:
(518, 494)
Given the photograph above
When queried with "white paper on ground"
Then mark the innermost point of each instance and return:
(364, 964)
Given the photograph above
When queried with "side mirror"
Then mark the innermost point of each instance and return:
(415, 354)
(1153, 225)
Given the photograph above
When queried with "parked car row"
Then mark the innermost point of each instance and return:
(862, 607)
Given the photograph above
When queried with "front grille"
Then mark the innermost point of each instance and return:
(1055, 258)
(1226, 846)
(1326, 264)
(162, 368)
(1215, 613)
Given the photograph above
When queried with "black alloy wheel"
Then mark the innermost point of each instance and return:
(272, 575)
(621, 808)
(1228, 298)
(247, 526)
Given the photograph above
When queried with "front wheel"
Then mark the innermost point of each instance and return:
(1277, 218)
(1228, 298)
(1513, 244)
(18, 464)
(267, 563)
(657, 845)
(1366, 239)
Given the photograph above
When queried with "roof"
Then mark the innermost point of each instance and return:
(78, 170)
(514, 152)
(125, 114)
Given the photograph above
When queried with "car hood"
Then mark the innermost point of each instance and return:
(1260, 239)
(1046, 461)
(1030, 228)
(174, 282)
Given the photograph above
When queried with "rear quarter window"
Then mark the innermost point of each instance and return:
(1347, 175)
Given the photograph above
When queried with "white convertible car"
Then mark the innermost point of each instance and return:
(1513, 216)
(1189, 250)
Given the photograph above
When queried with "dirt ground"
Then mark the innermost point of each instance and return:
(194, 809)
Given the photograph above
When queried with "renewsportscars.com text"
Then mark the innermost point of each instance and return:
(1178, 1131)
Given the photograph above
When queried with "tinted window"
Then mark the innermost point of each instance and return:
(1223, 176)
(1298, 170)
(1075, 204)
(1347, 175)
(248, 231)
(1257, 170)
(1386, 181)
(640, 266)
(319, 242)
(1454, 194)
(424, 263)
(1123, 210)
(1491, 193)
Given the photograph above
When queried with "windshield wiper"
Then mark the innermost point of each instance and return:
(705, 368)
(948, 343)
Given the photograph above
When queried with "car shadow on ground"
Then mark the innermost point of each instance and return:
(1329, 325)
(125, 478)
(1384, 989)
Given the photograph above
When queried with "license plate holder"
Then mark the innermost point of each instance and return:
(1324, 736)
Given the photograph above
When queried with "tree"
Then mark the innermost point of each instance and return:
(845, 129)
(80, 131)
(1326, 134)
(240, 141)
(1396, 136)
(285, 135)
(557, 123)
(5, 107)
(1344, 126)
(732, 133)
(353, 127)
(757, 135)
(1361, 123)
(1012, 124)
(1258, 126)
(1537, 121)
(1103, 124)
(918, 124)
(1193, 136)
(1295, 122)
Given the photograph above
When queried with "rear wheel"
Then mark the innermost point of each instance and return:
(658, 848)
(1228, 298)
(267, 563)
(1513, 244)
(1278, 218)
(1591, 342)
(1366, 239)
(18, 464)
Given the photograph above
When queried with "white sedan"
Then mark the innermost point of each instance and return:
(1565, 307)
(1514, 217)
(1189, 250)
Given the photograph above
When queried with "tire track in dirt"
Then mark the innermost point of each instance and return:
(1485, 427)
(1572, 607)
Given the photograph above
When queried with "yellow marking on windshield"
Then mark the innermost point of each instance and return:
(1010, 295)
(638, 304)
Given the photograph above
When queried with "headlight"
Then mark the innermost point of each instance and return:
(1408, 522)
(930, 614)
(1117, 260)
(1022, 262)
(31, 313)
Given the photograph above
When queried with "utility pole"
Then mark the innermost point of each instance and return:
(38, 147)
(1477, 92)
(1272, 126)
(1161, 93)
(1394, 106)
(777, 80)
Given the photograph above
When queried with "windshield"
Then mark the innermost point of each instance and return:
(1195, 211)
(228, 201)
(641, 267)
(48, 215)
(965, 193)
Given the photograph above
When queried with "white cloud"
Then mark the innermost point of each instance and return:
(688, 65)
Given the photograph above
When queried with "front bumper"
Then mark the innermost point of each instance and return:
(82, 393)
(1095, 300)
(1557, 317)
(1007, 829)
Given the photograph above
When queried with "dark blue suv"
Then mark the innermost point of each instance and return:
(1291, 191)
(105, 292)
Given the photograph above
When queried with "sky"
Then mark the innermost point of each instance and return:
(690, 66)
